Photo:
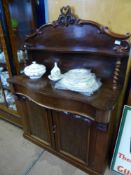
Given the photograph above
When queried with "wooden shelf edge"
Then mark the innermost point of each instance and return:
(83, 51)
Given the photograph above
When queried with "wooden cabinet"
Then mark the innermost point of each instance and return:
(75, 138)
(78, 139)
(76, 127)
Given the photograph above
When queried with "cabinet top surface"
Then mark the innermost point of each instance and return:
(104, 99)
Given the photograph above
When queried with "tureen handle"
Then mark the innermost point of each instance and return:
(33, 62)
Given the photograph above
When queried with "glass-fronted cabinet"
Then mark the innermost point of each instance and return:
(22, 17)
(17, 20)
(25, 17)
(6, 97)
(8, 109)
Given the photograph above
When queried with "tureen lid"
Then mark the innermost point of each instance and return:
(35, 67)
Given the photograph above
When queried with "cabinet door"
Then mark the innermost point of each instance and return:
(39, 122)
(72, 135)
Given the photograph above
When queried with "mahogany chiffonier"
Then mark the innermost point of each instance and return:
(75, 127)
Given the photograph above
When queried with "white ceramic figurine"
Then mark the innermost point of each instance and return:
(55, 73)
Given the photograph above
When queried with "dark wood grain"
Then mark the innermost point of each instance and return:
(38, 116)
(73, 134)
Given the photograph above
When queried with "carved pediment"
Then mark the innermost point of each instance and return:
(69, 32)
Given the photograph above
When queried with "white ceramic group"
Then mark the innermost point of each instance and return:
(79, 80)
(36, 71)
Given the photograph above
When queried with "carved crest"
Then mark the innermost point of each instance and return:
(66, 17)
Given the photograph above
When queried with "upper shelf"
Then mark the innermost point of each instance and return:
(70, 34)
(104, 52)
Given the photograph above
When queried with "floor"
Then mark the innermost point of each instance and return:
(18, 156)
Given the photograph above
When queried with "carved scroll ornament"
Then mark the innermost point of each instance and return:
(66, 17)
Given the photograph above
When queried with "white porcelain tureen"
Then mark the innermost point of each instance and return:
(35, 71)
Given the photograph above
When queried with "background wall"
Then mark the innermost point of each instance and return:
(115, 14)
